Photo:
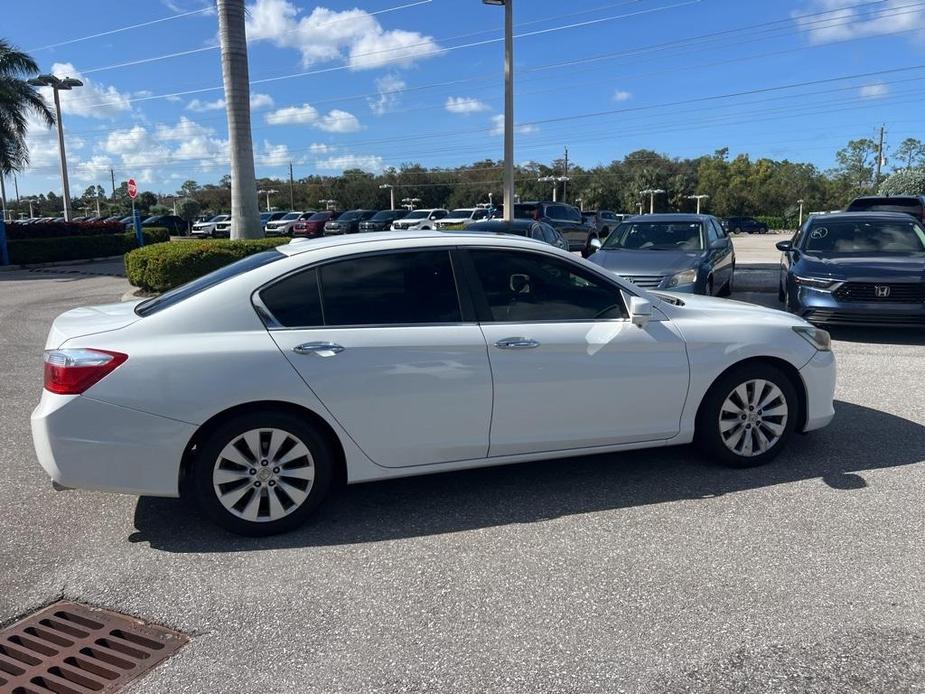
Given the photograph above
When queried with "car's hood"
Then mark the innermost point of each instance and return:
(860, 268)
(721, 310)
(624, 262)
(89, 320)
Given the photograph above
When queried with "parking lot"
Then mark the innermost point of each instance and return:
(643, 572)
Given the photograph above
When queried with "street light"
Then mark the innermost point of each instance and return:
(409, 202)
(328, 204)
(508, 106)
(651, 192)
(801, 213)
(698, 198)
(268, 193)
(391, 190)
(57, 84)
(555, 180)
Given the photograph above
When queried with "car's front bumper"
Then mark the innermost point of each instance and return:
(824, 308)
(84, 443)
(819, 380)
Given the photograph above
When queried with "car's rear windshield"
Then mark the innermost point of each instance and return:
(185, 291)
(347, 216)
(460, 213)
(417, 214)
(291, 215)
(872, 236)
(906, 205)
(657, 236)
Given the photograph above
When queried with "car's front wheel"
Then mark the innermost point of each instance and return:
(747, 416)
(262, 474)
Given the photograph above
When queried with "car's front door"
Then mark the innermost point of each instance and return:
(569, 369)
(383, 343)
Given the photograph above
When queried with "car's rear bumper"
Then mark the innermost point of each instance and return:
(84, 443)
(819, 380)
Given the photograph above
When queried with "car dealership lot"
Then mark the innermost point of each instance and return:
(650, 571)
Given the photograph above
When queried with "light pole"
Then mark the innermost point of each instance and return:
(391, 190)
(268, 193)
(581, 204)
(57, 84)
(555, 180)
(801, 213)
(698, 198)
(409, 202)
(508, 106)
(651, 192)
(328, 204)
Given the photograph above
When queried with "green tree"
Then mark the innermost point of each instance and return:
(911, 152)
(188, 209)
(857, 162)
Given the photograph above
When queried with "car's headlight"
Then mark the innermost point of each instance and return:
(820, 339)
(686, 277)
(815, 282)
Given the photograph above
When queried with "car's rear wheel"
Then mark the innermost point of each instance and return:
(747, 416)
(262, 474)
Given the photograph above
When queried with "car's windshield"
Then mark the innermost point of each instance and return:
(348, 216)
(418, 214)
(220, 218)
(319, 217)
(460, 213)
(657, 236)
(387, 214)
(882, 237)
(291, 215)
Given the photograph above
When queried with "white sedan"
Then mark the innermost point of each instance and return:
(368, 357)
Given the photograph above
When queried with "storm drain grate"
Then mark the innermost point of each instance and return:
(69, 648)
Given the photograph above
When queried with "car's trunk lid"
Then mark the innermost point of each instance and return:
(90, 320)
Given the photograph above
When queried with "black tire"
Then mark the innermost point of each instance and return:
(737, 230)
(708, 437)
(727, 288)
(210, 450)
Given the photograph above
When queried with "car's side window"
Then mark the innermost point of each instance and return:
(719, 228)
(295, 301)
(526, 287)
(417, 287)
(573, 214)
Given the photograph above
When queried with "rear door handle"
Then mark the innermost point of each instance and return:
(517, 343)
(325, 349)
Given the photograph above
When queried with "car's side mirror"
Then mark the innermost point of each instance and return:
(640, 311)
(784, 246)
(595, 244)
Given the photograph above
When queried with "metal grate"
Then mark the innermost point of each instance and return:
(645, 281)
(895, 292)
(69, 648)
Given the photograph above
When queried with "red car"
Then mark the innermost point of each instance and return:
(313, 227)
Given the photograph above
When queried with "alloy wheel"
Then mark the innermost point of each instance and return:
(263, 475)
(753, 417)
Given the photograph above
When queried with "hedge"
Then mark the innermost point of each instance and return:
(776, 222)
(165, 266)
(29, 251)
(49, 230)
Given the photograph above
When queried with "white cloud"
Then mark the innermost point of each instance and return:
(272, 155)
(258, 101)
(325, 35)
(94, 169)
(465, 105)
(321, 148)
(387, 100)
(137, 147)
(621, 95)
(497, 127)
(335, 121)
(874, 91)
(845, 20)
(368, 162)
(92, 100)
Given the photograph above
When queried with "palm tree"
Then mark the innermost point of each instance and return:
(244, 212)
(17, 101)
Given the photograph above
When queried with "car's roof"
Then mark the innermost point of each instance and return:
(299, 246)
(861, 214)
(669, 217)
(519, 222)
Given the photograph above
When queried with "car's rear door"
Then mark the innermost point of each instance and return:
(383, 341)
(569, 369)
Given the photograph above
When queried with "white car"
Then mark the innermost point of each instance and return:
(208, 228)
(223, 228)
(283, 225)
(419, 220)
(370, 356)
(461, 218)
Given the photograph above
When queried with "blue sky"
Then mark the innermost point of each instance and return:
(376, 83)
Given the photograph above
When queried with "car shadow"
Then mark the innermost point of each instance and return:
(858, 440)
(878, 335)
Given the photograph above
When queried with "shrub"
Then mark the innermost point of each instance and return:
(165, 266)
(776, 222)
(15, 231)
(905, 182)
(29, 251)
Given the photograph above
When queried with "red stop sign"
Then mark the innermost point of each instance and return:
(132, 188)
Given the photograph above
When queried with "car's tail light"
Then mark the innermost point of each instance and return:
(72, 371)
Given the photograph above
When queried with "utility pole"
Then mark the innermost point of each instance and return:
(880, 161)
(565, 176)
(112, 176)
(291, 189)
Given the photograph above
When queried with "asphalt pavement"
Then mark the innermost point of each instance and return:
(644, 572)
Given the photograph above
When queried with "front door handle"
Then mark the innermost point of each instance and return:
(324, 349)
(517, 343)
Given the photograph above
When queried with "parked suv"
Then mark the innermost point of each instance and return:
(566, 219)
(909, 204)
(207, 228)
(750, 225)
(382, 220)
(462, 218)
(418, 220)
(174, 224)
(348, 222)
(283, 226)
(603, 221)
(313, 227)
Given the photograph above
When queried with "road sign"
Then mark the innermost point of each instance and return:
(132, 188)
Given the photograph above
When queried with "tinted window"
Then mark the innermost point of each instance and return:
(294, 301)
(390, 289)
(719, 228)
(911, 206)
(184, 291)
(838, 237)
(529, 287)
(712, 232)
(319, 217)
(438, 214)
(480, 214)
(656, 236)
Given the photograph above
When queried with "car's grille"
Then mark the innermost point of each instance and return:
(645, 281)
(866, 318)
(897, 293)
